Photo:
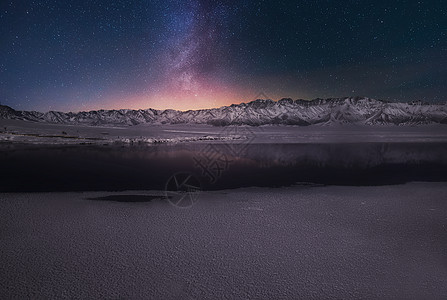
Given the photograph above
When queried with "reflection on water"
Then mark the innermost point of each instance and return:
(82, 168)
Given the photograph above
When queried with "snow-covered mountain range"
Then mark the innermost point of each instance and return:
(351, 110)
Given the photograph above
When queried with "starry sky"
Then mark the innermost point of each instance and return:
(191, 54)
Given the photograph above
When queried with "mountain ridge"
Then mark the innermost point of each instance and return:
(286, 111)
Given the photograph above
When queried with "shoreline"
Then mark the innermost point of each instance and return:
(14, 131)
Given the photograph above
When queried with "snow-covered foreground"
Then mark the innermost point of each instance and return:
(386, 242)
(17, 131)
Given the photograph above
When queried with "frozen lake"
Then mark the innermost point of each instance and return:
(217, 166)
(286, 213)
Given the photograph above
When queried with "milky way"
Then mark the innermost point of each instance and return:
(194, 63)
(82, 55)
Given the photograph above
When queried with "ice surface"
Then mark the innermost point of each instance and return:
(385, 242)
(42, 133)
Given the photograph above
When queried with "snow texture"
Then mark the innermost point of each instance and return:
(384, 242)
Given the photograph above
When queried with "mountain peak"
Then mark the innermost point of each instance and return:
(7, 112)
(346, 110)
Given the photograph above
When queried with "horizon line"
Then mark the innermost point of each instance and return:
(218, 107)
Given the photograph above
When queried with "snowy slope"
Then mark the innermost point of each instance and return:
(356, 110)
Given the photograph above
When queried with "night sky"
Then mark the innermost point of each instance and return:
(83, 55)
